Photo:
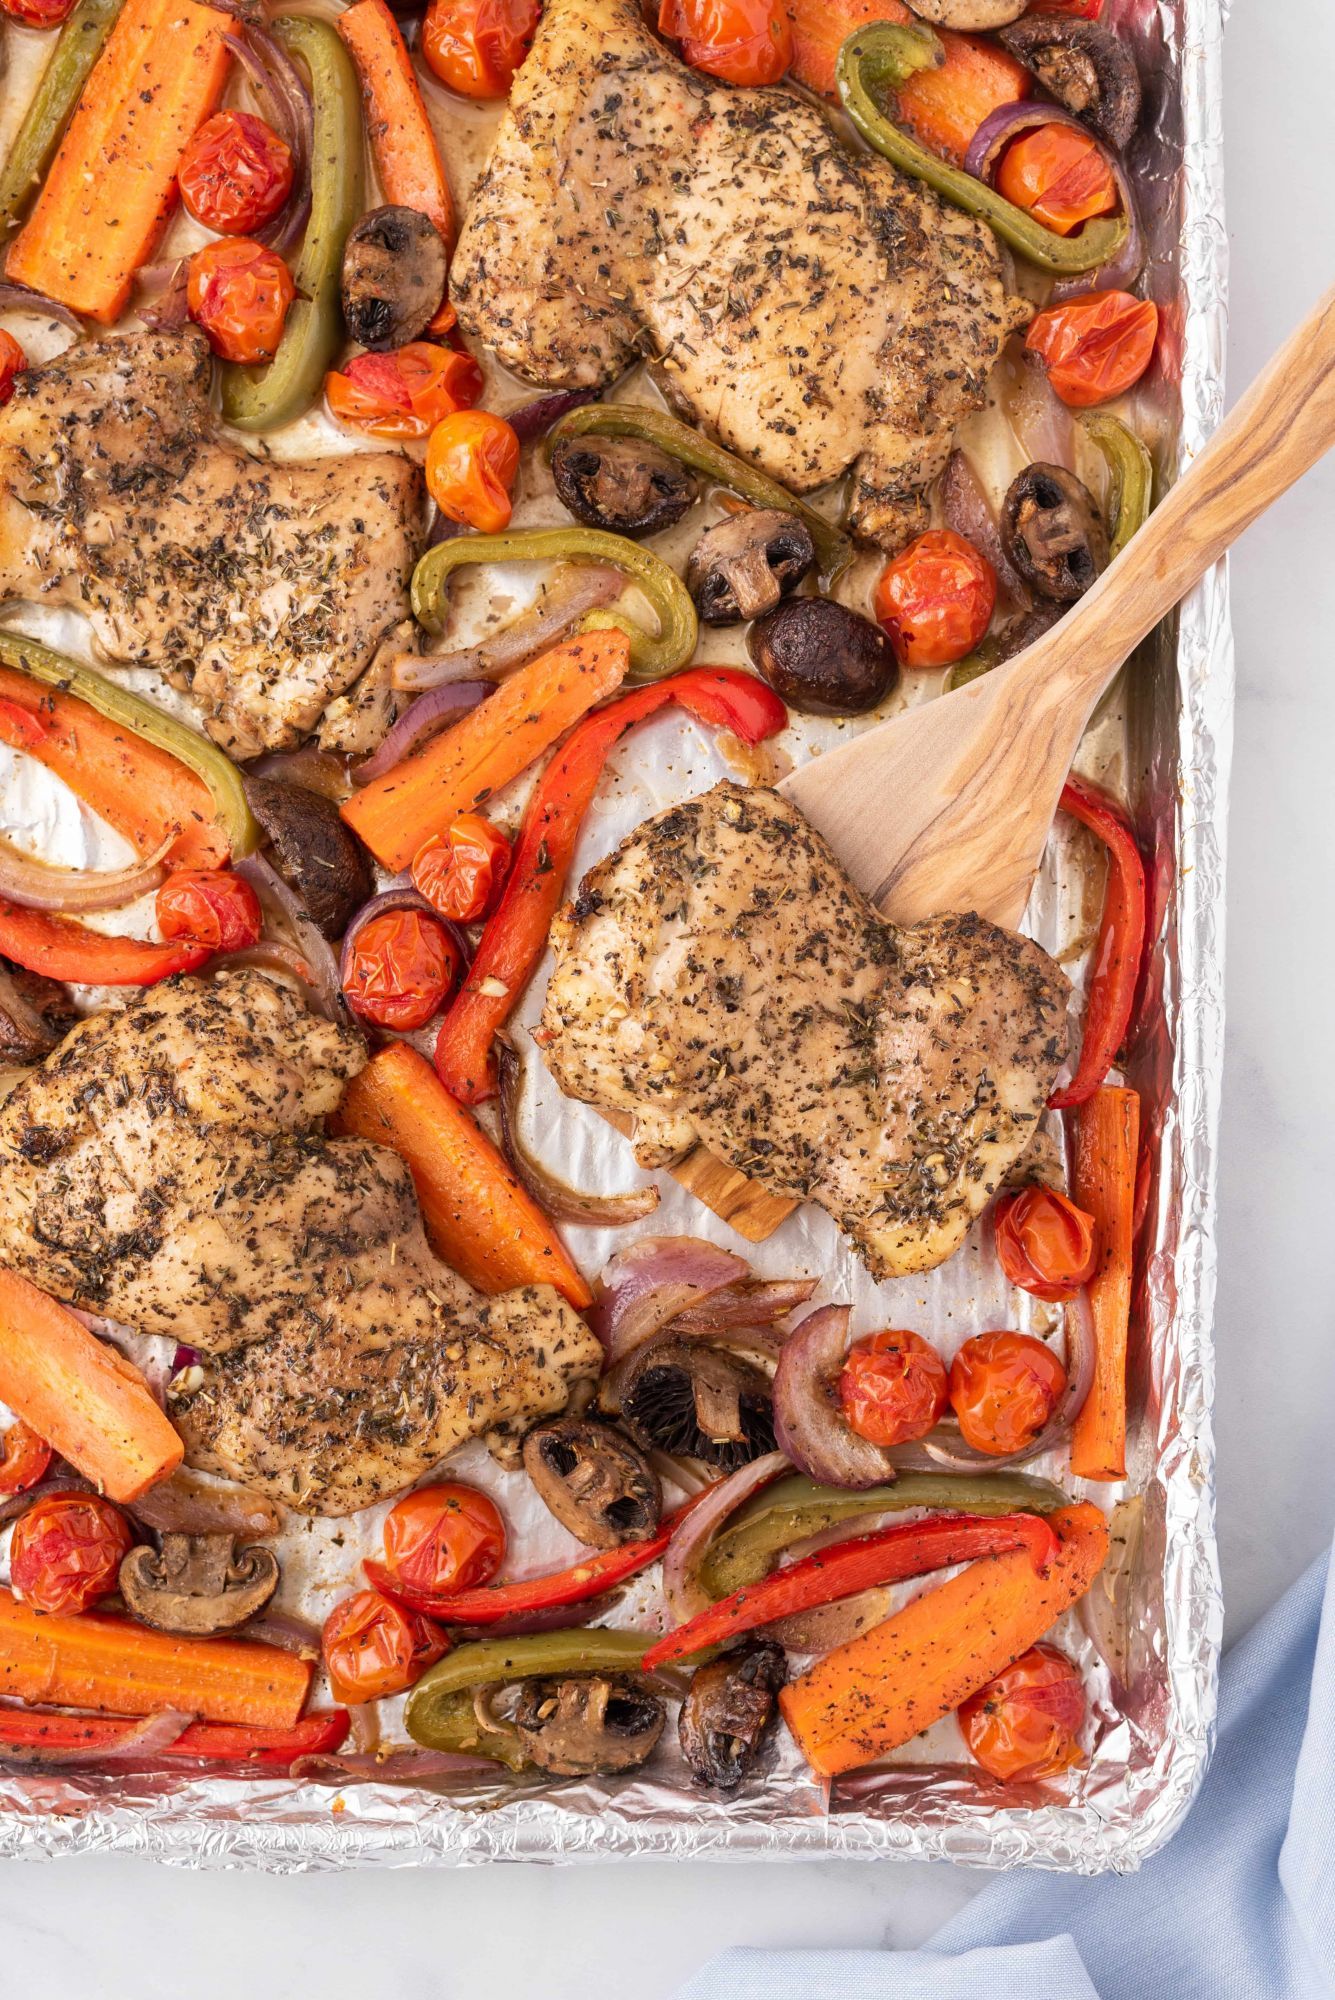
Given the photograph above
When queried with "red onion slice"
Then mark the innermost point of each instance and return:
(574, 589)
(969, 512)
(649, 1284)
(281, 902)
(147, 1738)
(755, 1303)
(18, 298)
(67, 1481)
(807, 1423)
(683, 1593)
(829, 1625)
(562, 1202)
(534, 420)
(956, 1456)
(395, 1767)
(40, 885)
(169, 308)
(183, 1505)
(421, 721)
(288, 1632)
(1004, 124)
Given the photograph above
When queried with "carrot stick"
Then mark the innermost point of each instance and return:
(883, 1688)
(119, 1668)
(1107, 1139)
(112, 188)
(479, 1218)
(402, 141)
(493, 744)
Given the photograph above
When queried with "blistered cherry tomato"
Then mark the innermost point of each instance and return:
(37, 13)
(373, 1647)
(936, 599)
(1045, 1244)
(892, 1387)
(403, 394)
(402, 968)
(24, 1458)
(1059, 176)
(1095, 347)
(13, 361)
(236, 174)
(239, 292)
(461, 872)
(1026, 1723)
(471, 462)
(210, 905)
(444, 1538)
(66, 1552)
(475, 46)
(741, 41)
(1003, 1389)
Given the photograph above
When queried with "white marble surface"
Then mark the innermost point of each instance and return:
(117, 1930)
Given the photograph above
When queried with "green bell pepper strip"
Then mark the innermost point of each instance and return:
(150, 723)
(1132, 471)
(440, 1713)
(834, 550)
(650, 658)
(988, 653)
(77, 49)
(262, 399)
(881, 58)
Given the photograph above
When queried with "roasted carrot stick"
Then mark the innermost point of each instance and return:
(117, 1668)
(80, 1395)
(883, 1688)
(404, 146)
(112, 188)
(479, 1218)
(1107, 1139)
(493, 744)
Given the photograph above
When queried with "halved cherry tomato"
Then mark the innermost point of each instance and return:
(402, 969)
(236, 173)
(373, 1647)
(210, 905)
(1003, 1389)
(1045, 1244)
(936, 599)
(893, 1387)
(461, 872)
(475, 46)
(1026, 1723)
(239, 292)
(1095, 347)
(37, 13)
(24, 1458)
(1059, 176)
(405, 393)
(471, 462)
(741, 41)
(444, 1538)
(13, 361)
(66, 1552)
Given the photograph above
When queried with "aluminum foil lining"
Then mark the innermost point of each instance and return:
(1148, 1636)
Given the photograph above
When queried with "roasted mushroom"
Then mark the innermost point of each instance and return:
(975, 16)
(728, 1710)
(394, 270)
(622, 484)
(698, 1402)
(1088, 69)
(744, 565)
(1054, 533)
(34, 1014)
(588, 1723)
(313, 850)
(823, 658)
(200, 1584)
(594, 1480)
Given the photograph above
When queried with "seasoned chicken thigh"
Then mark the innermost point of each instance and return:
(807, 304)
(719, 979)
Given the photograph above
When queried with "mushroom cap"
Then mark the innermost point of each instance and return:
(314, 850)
(1054, 532)
(1088, 69)
(588, 1722)
(622, 484)
(823, 658)
(728, 1710)
(698, 1402)
(596, 1482)
(973, 16)
(394, 271)
(743, 565)
(198, 1584)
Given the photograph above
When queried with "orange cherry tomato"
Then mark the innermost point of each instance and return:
(471, 462)
(1045, 1244)
(462, 872)
(892, 1387)
(236, 174)
(1026, 1723)
(66, 1552)
(936, 599)
(1059, 176)
(444, 1538)
(1095, 347)
(211, 906)
(24, 1458)
(239, 292)
(37, 13)
(402, 968)
(475, 46)
(373, 1647)
(13, 361)
(741, 41)
(405, 393)
(1003, 1389)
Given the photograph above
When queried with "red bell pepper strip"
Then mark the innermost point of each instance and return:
(910, 1548)
(29, 1731)
(1121, 945)
(516, 935)
(60, 948)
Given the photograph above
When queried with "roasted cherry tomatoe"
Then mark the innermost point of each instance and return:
(37, 13)
(893, 1387)
(373, 1647)
(1095, 347)
(936, 599)
(461, 872)
(240, 292)
(1059, 176)
(1004, 1388)
(444, 1538)
(13, 361)
(405, 393)
(1026, 1723)
(24, 1458)
(236, 174)
(475, 46)
(67, 1550)
(402, 968)
(211, 906)
(471, 462)
(741, 41)
(1045, 1244)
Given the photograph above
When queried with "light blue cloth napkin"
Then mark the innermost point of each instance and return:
(1240, 1906)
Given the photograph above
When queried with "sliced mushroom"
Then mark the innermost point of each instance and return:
(823, 658)
(974, 16)
(588, 1723)
(626, 485)
(200, 1584)
(34, 1014)
(1087, 68)
(744, 565)
(698, 1402)
(313, 850)
(394, 271)
(1054, 533)
(728, 1710)
(595, 1481)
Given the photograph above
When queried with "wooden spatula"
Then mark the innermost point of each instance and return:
(948, 806)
